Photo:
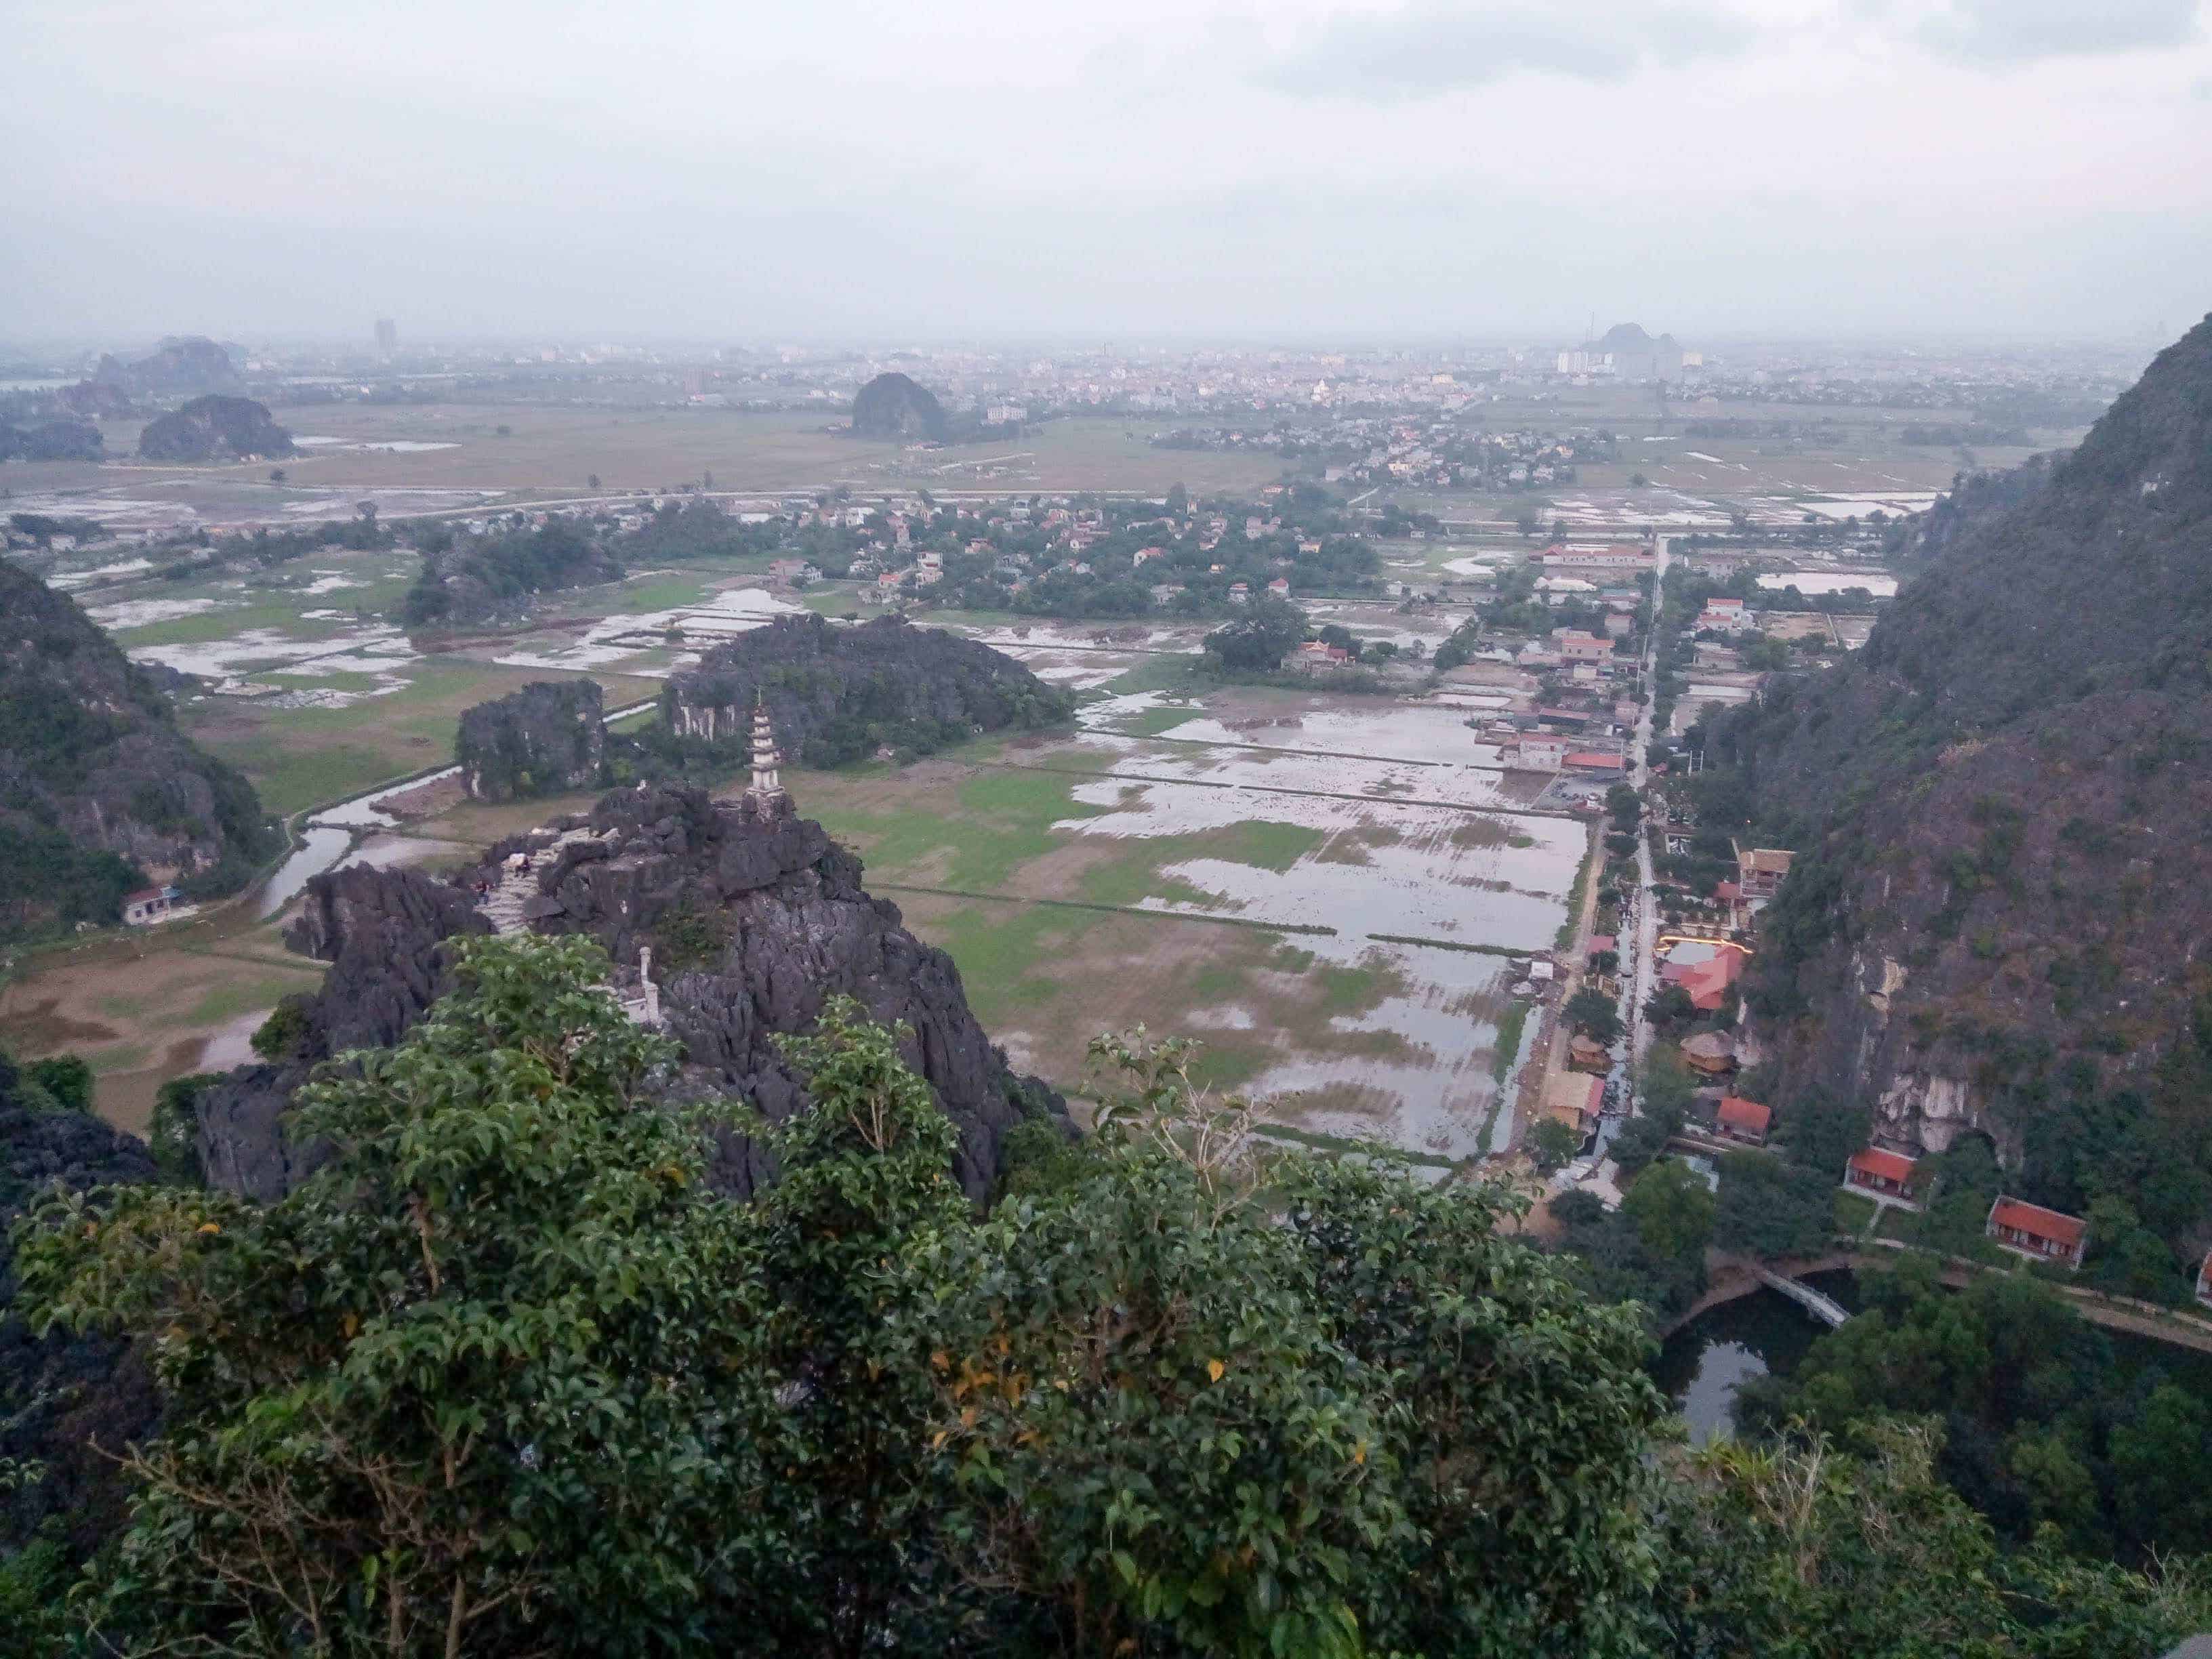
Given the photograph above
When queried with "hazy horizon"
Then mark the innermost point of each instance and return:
(1140, 174)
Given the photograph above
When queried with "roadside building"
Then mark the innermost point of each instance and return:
(1707, 983)
(1742, 1120)
(1537, 754)
(1594, 762)
(1575, 646)
(2038, 1234)
(151, 904)
(1759, 871)
(1881, 1174)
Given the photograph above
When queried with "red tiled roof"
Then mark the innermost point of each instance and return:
(1603, 942)
(1609, 762)
(1737, 1112)
(1707, 982)
(2036, 1221)
(1890, 1166)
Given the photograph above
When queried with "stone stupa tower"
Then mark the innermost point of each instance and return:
(766, 797)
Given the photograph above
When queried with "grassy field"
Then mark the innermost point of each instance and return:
(299, 757)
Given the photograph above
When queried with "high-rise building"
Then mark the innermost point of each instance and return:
(387, 335)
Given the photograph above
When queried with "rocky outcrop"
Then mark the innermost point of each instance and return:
(752, 917)
(384, 933)
(895, 406)
(100, 791)
(840, 693)
(215, 428)
(544, 739)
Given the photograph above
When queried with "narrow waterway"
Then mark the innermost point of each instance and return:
(330, 834)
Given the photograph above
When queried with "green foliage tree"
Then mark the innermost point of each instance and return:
(474, 1386)
(1672, 1209)
(1596, 1015)
(1553, 1143)
(1814, 1553)
(1771, 1209)
(67, 1077)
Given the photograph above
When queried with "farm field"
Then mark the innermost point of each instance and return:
(458, 449)
(1342, 947)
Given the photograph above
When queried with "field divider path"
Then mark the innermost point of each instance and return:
(294, 964)
(1328, 754)
(1312, 929)
(1285, 789)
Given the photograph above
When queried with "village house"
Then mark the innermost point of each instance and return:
(1537, 754)
(1759, 871)
(1884, 1175)
(1280, 587)
(1240, 592)
(793, 572)
(1586, 1054)
(1742, 1120)
(2038, 1234)
(151, 904)
(1575, 646)
(1145, 553)
(1727, 615)
(1315, 658)
(929, 569)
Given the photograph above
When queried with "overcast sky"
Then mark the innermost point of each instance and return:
(820, 168)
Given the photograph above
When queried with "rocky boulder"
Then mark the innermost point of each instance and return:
(897, 406)
(215, 428)
(546, 738)
(838, 694)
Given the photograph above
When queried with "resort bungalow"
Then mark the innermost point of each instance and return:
(2038, 1234)
(1586, 1054)
(1880, 1175)
(1708, 1054)
(1743, 1119)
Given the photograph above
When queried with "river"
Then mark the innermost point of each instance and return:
(329, 834)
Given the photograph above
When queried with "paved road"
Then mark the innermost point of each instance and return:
(1640, 981)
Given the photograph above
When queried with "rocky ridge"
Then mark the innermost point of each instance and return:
(98, 790)
(745, 917)
(838, 694)
(1997, 922)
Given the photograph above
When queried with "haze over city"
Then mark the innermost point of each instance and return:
(981, 169)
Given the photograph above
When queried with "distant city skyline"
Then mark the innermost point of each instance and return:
(1793, 169)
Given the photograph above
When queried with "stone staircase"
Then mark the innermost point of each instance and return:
(505, 908)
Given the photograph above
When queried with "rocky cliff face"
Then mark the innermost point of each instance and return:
(1998, 919)
(746, 920)
(838, 694)
(215, 428)
(897, 406)
(546, 738)
(98, 790)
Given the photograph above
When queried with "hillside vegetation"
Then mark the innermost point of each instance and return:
(1996, 922)
(100, 791)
